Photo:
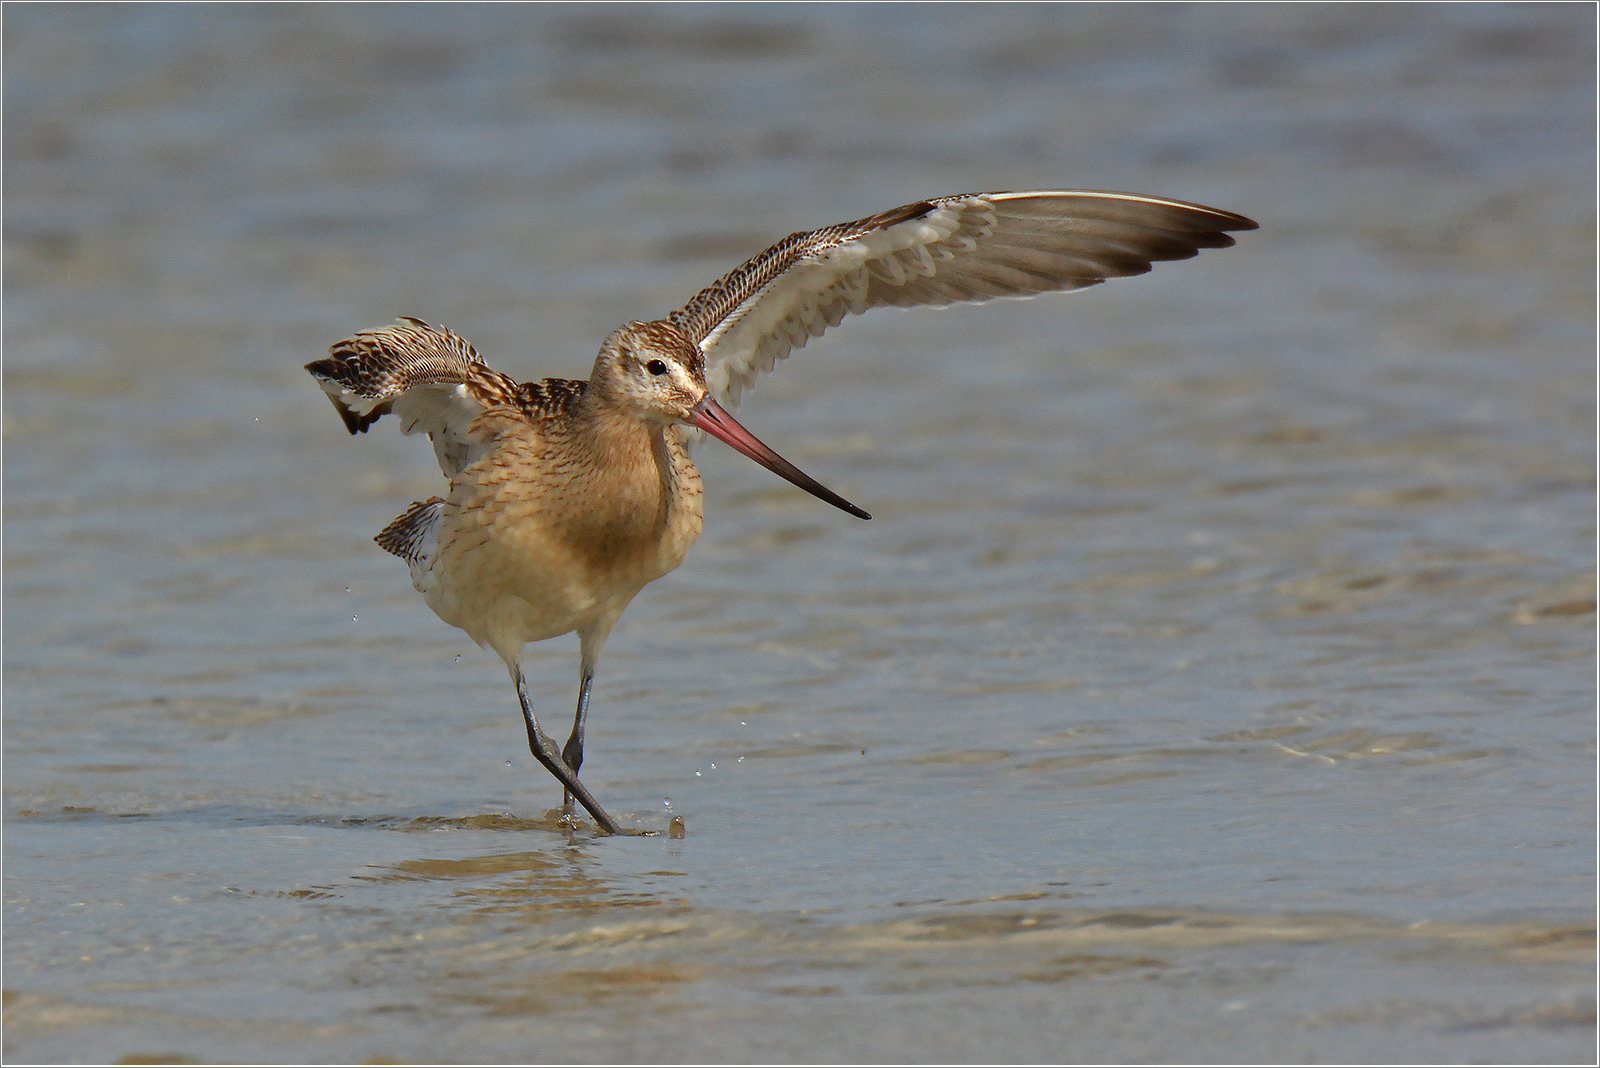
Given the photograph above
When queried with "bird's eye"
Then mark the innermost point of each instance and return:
(656, 367)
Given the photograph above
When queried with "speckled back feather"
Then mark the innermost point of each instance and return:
(549, 397)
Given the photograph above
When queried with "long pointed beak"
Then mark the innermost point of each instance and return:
(714, 419)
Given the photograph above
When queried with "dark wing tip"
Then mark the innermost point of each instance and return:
(1218, 220)
(355, 421)
(331, 369)
(1199, 222)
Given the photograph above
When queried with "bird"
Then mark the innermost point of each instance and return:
(566, 498)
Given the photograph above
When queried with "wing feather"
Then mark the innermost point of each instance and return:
(975, 247)
(432, 380)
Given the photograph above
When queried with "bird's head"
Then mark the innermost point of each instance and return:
(652, 371)
(655, 372)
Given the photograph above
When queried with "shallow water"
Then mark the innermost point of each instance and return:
(1215, 680)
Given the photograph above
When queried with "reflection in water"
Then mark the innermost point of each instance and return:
(527, 933)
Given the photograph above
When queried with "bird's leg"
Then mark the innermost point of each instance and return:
(543, 748)
(572, 752)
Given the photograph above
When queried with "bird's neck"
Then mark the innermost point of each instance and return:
(613, 437)
(626, 454)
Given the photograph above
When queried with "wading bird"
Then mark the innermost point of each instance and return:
(566, 498)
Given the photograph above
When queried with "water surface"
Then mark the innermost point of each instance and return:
(1215, 680)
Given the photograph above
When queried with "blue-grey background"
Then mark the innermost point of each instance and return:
(1214, 682)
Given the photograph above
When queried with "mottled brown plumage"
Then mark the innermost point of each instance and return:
(566, 498)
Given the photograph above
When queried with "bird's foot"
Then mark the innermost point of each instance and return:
(574, 824)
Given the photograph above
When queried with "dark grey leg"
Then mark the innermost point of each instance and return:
(543, 748)
(572, 752)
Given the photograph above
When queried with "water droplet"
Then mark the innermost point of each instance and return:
(354, 618)
(739, 761)
(667, 801)
(742, 723)
(508, 763)
(458, 658)
(675, 827)
(713, 767)
(347, 589)
(697, 773)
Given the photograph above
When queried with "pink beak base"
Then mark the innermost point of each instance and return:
(714, 419)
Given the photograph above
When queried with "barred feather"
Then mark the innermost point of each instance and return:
(434, 381)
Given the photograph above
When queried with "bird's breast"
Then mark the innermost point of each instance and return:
(567, 527)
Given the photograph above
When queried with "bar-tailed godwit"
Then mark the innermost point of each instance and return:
(566, 498)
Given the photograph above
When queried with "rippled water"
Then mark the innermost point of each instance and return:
(1214, 682)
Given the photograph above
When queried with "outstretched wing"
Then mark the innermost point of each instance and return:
(954, 249)
(432, 380)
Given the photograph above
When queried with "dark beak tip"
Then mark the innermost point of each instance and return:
(711, 417)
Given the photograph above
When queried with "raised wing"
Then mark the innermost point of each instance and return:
(432, 380)
(954, 249)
